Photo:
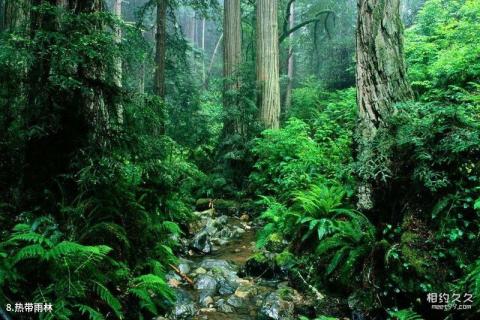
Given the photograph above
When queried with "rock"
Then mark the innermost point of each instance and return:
(184, 306)
(223, 306)
(200, 271)
(245, 291)
(210, 264)
(203, 204)
(201, 242)
(207, 310)
(206, 301)
(206, 282)
(275, 242)
(161, 318)
(237, 250)
(226, 206)
(259, 265)
(221, 221)
(245, 217)
(235, 301)
(185, 266)
(275, 308)
(227, 284)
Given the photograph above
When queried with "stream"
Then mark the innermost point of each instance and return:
(211, 283)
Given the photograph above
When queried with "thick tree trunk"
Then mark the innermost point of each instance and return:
(290, 59)
(15, 14)
(381, 76)
(232, 59)
(268, 63)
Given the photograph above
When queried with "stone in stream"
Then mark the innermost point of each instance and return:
(184, 265)
(223, 306)
(227, 284)
(210, 264)
(235, 301)
(206, 285)
(274, 307)
(184, 306)
(201, 242)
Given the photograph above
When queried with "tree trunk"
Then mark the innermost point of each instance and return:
(290, 59)
(117, 11)
(160, 48)
(268, 63)
(204, 76)
(232, 59)
(15, 14)
(381, 77)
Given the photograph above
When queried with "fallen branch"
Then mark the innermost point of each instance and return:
(317, 293)
(181, 274)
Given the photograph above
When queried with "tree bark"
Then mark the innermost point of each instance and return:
(232, 59)
(268, 63)
(381, 77)
(160, 48)
(290, 59)
(117, 11)
(204, 76)
(15, 14)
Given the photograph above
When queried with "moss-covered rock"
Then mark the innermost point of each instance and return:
(275, 242)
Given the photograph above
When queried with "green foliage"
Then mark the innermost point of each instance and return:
(405, 314)
(443, 49)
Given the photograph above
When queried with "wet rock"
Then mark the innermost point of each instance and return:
(235, 301)
(245, 291)
(223, 306)
(206, 284)
(184, 306)
(274, 307)
(245, 217)
(207, 310)
(221, 221)
(210, 264)
(185, 266)
(206, 301)
(227, 284)
(200, 271)
(203, 204)
(201, 242)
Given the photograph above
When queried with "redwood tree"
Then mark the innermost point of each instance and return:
(232, 58)
(268, 63)
(381, 77)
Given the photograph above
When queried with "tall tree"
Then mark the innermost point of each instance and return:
(161, 36)
(232, 58)
(290, 58)
(381, 76)
(268, 63)
(117, 11)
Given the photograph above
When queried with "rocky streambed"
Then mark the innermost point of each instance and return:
(211, 281)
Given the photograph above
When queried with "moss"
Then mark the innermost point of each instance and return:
(285, 259)
(416, 258)
(275, 242)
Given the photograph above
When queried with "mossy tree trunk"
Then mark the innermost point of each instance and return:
(268, 63)
(232, 59)
(381, 78)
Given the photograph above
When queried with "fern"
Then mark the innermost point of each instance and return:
(405, 314)
(90, 312)
(108, 298)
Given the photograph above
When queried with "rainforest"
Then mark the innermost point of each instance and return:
(239, 159)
